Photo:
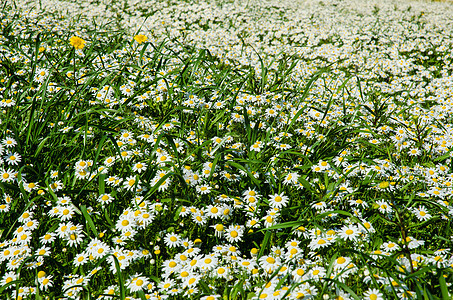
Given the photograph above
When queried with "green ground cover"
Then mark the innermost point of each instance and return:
(226, 150)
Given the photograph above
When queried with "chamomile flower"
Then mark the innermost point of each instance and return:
(278, 200)
(373, 294)
(80, 259)
(9, 142)
(166, 284)
(209, 262)
(7, 175)
(45, 282)
(105, 199)
(213, 211)
(384, 207)
(219, 229)
(47, 238)
(319, 242)
(172, 240)
(203, 189)
(390, 246)
(199, 219)
(137, 283)
(131, 183)
(8, 277)
(139, 167)
(421, 213)
(269, 263)
(234, 233)
(350, 232)
(125, 223)
(13, 159)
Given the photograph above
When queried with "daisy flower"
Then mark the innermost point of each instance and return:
(350, 232)
(384, 207)
(137, 283)
(291, 179)
(109, 161)
(269, 263)
(234, 233)
(6, 175)
(30, 186)
(45, 282)
(199, 219)
(213, 211)
(318, 243)
(65, 213)
(80, 259)
(278, 200)
(341, 263)
(124, 223)
(221, 272)
(203, 189)
(9, 142)
(47, 238)
(56, 186)
(269, 221)
(315, 273)
(139, 167)
(105, 199)
(209, 262)
(13, 158)
(172, 240)
(8, 277)
(373, 294)
(130, 183)
(390, 246)
(218, 229)
(421, 213)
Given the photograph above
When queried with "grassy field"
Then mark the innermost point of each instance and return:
(226, 149)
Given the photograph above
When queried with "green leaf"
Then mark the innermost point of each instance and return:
(101, 186)
(158, 184)
(283, 225)
(443, 287)
(88, 219)
(119, 275)
(265, 243)
(41, 145)
(344, 287)
(4, 287)
(238, 166)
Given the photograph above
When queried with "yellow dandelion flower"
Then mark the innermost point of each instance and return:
(77, 42)
(140, 38)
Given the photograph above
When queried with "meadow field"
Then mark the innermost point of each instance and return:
(222, 150)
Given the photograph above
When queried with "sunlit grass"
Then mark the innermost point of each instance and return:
(225, 151)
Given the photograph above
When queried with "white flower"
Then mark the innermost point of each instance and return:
(269, 263)
(278, 200)
(318, 243)
(6, 175)
(125, 223)
(234, 233)
(373, 294)
(137, 283)
(421, 213)
(350, 232)
(172, 240)
(384, 207)
(390, 246)
(9, 142)
(13, 158)
(105, 199)
(139, 167)
(291, 178)
(203, 189)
